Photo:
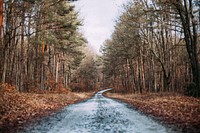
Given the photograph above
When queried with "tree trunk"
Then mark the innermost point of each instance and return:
(3, 77)
(23, 62)
(187, 18)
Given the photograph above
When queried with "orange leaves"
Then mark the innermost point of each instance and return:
(182, 111)
(7, 87)
(19, 108)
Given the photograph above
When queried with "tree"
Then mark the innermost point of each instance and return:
(186, 11)
(41, 41)
(146, 51)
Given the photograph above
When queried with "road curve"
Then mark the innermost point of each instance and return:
(98, 115)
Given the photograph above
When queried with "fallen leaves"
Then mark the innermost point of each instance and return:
(19, 108)
(8, 87)
(182, 111)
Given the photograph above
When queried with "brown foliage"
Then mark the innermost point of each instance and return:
(19, 108)
(182, 111)
(85, 86)
(8, 87)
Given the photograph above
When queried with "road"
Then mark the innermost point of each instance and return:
(98, 115)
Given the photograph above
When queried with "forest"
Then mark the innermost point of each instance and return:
(150, 61)
(41, 46)
(155, 48)
(43, 58)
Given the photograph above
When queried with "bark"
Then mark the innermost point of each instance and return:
(132, 76)
(187, 18)
(3, 76)
(23, 62)
(142, 68)
(57, 68)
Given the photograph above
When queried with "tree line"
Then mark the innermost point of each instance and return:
(154, 48)
(40, 43)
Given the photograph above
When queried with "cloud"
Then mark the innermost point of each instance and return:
(99, 19)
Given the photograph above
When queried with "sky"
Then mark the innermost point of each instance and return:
(99, 18)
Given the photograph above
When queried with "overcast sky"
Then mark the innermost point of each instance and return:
(99, 19)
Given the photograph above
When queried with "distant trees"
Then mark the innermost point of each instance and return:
(148, 49)
(86, 76)
(40, 43)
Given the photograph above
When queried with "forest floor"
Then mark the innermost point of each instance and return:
(178, 110)
(18, 109)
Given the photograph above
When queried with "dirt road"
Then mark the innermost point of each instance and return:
(98, 115)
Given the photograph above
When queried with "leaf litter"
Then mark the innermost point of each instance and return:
(18, 109)
(181, 111)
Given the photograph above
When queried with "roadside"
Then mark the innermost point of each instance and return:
(18, 109)
(181, 111)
